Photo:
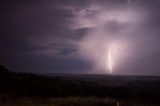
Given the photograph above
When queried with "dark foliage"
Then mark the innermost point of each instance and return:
(28, 84)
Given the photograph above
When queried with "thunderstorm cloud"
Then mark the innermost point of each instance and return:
(74, 36)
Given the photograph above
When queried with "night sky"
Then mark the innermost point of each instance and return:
(74, 36)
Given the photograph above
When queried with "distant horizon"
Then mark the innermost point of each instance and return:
(71, 73)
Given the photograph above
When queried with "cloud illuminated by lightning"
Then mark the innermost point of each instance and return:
(114, 26)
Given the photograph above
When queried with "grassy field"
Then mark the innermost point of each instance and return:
(69, 101)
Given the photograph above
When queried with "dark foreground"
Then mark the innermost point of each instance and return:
(71, 101)
(77, 90)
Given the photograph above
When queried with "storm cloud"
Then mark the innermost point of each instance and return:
(74, 36)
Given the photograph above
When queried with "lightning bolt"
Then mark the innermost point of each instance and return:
(128, 2)
(110, 60)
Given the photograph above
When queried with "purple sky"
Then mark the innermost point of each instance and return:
(74, 36)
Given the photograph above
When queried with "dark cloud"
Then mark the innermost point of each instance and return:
(33, 29)
(37, 35)
(43, 64)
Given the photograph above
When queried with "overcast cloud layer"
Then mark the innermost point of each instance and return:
(74, 36)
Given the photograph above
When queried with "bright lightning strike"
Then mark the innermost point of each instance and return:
(110, 60)
(128, 2)
(128, 5)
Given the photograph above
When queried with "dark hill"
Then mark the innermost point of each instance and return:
(28, 84)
